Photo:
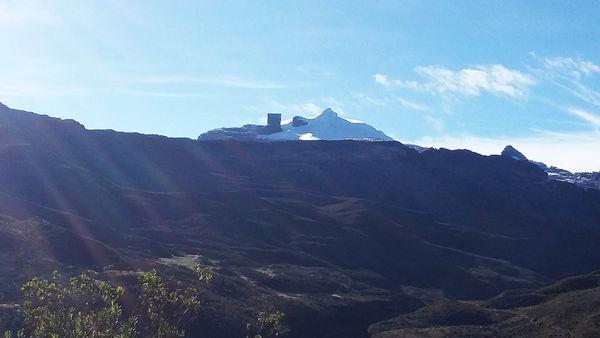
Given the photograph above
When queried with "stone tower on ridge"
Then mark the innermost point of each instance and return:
(274, 122)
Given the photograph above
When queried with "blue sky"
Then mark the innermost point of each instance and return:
(458, 74)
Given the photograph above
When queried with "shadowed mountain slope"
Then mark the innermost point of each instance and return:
(323, 230)
(568, 308)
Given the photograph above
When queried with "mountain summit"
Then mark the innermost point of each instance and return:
(328, 113)
(510, 151)
(585, 180)
(327, 126)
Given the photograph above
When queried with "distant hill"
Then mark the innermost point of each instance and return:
(333, 233)
(568, 308)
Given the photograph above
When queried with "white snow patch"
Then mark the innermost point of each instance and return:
(308, 137)
(328, 126)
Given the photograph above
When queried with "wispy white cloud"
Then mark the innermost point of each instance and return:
(572, 151)
(573, 75)
(435, 122)
(31, 88)
(157, 93)
(413, 105)
(225, 81)
(494, 79)
(314, 71)
(382, 80)
(308, 109)
(574, 66)
(40, 89)
(131, 87)
(592, 119)
(385, 81)
(369, 100)
(586, 93)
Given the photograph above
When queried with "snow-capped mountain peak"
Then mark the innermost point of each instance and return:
(326, 126)
(327, 114)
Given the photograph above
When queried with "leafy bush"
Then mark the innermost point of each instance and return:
(163, 311)
(87, 307)
(268, 325)
(84, 307)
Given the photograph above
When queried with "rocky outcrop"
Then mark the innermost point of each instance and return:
(586, 180)
(511, 152)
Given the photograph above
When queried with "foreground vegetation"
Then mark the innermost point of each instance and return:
(83, 306)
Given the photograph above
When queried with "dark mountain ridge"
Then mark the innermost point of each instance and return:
(588, 180)
(323, 229)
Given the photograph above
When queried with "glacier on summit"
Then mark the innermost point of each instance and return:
(327, 126)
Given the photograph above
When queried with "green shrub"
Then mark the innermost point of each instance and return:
(268, 325)
(87, 307)
(83, 306)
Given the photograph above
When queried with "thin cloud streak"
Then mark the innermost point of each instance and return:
(44, 89)
(436, 123)
(574, 66)
(116, 86)
(37, 89)
(571, 75)
(413, 105)
(225, 81)
(161, 94)
(385, 81)
(592, 119)
(308, 109)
